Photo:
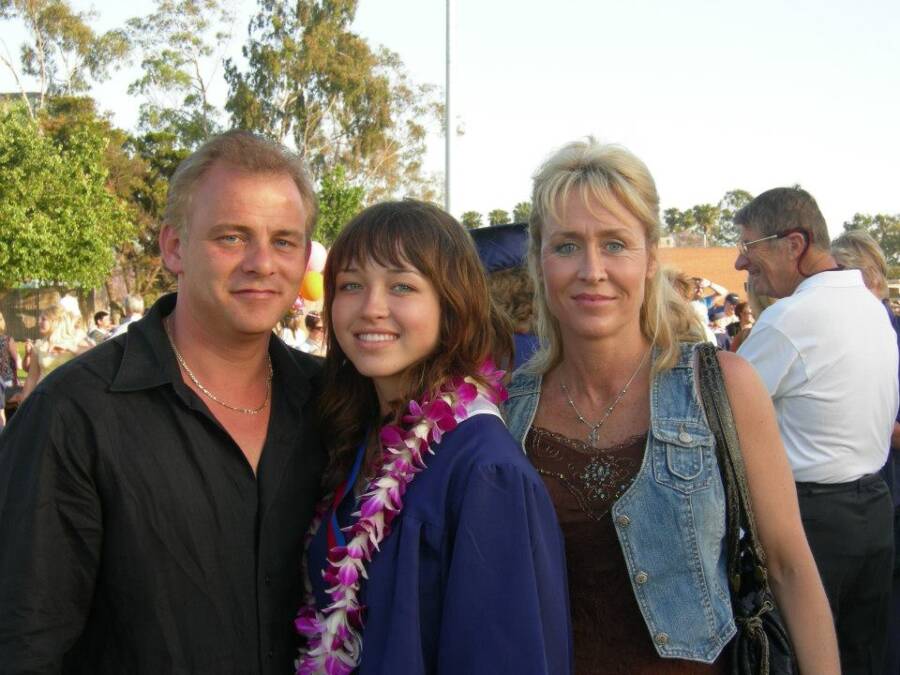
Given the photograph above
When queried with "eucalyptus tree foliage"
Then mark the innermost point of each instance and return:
(884, 228)
(182, 45)
(729, 205)
(338, 203)
(61, 53)
(311, 81)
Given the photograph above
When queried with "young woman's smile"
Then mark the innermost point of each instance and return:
(385, 320)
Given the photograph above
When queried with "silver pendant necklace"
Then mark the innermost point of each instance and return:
(594, 433)
(206, 392)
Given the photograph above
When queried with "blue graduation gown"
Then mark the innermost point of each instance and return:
(472, 578)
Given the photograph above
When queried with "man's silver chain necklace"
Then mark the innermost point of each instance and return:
(206, 392)
(594, 433)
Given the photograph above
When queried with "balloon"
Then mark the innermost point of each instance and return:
(317, 255)
(311, 289)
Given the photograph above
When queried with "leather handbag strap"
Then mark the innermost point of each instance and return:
(731, 464)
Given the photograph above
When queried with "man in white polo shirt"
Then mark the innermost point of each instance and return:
(828, 356)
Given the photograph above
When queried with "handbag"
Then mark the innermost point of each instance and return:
(762, 645)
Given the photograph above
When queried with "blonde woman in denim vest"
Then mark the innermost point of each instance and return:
(608, 411)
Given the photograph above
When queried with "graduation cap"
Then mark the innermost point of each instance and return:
(501, 247)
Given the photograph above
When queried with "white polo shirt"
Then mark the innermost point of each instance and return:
(828, 356)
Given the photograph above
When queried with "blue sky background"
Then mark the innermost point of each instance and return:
(711, 95)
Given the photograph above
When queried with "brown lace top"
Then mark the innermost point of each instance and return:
(610, 635)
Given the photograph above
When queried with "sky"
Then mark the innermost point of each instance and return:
(712, 95)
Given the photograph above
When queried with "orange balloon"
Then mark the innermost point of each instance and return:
(312, 286)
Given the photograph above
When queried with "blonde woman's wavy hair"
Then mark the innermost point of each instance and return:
(858, 250)
(603, 174)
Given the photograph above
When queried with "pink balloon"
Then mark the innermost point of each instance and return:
(317, 255)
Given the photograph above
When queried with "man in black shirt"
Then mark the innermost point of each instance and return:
(155, 492)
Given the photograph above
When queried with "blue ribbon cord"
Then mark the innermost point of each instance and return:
(334, 527)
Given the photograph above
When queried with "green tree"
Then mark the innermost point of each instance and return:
(706, 222)
(60, 222)
(158, 154)
(884, 228)
(471, 220)
(521, 212)
(729, 205)
(182, 44)
(678, 221)
(310, 79)
(138, 171)
(498, 217)
(61, 51)
(65, 116)
(713, 224)
(338, 203)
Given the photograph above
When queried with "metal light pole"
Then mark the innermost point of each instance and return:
(447, 118)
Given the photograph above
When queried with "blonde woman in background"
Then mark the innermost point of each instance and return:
(856, 249)
(45, 349)
(71, 333)
(61, 337)
(685, 286)
(609, 414)
(46, 352)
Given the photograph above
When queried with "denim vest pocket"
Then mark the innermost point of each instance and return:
(682, 455)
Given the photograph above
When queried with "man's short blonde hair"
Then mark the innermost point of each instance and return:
(242, 150)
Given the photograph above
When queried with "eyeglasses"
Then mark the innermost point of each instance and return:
(744, 246)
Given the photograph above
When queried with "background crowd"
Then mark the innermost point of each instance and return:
(65, 333)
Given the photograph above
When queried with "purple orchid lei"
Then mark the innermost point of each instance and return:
(334, 635)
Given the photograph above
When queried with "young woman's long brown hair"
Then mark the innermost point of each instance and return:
(394, 234)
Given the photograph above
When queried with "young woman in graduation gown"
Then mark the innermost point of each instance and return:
(437, 549)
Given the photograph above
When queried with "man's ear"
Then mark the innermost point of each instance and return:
(797, 244)
(170, 240)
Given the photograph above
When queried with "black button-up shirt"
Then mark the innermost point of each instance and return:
(134, 536)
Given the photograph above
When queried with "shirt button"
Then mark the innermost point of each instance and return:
(623, 520)
(661, 639)
(685, 437)
(268, 580)
(641, 577)
(270, 654)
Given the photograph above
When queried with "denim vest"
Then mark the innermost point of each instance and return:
(671, 521)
